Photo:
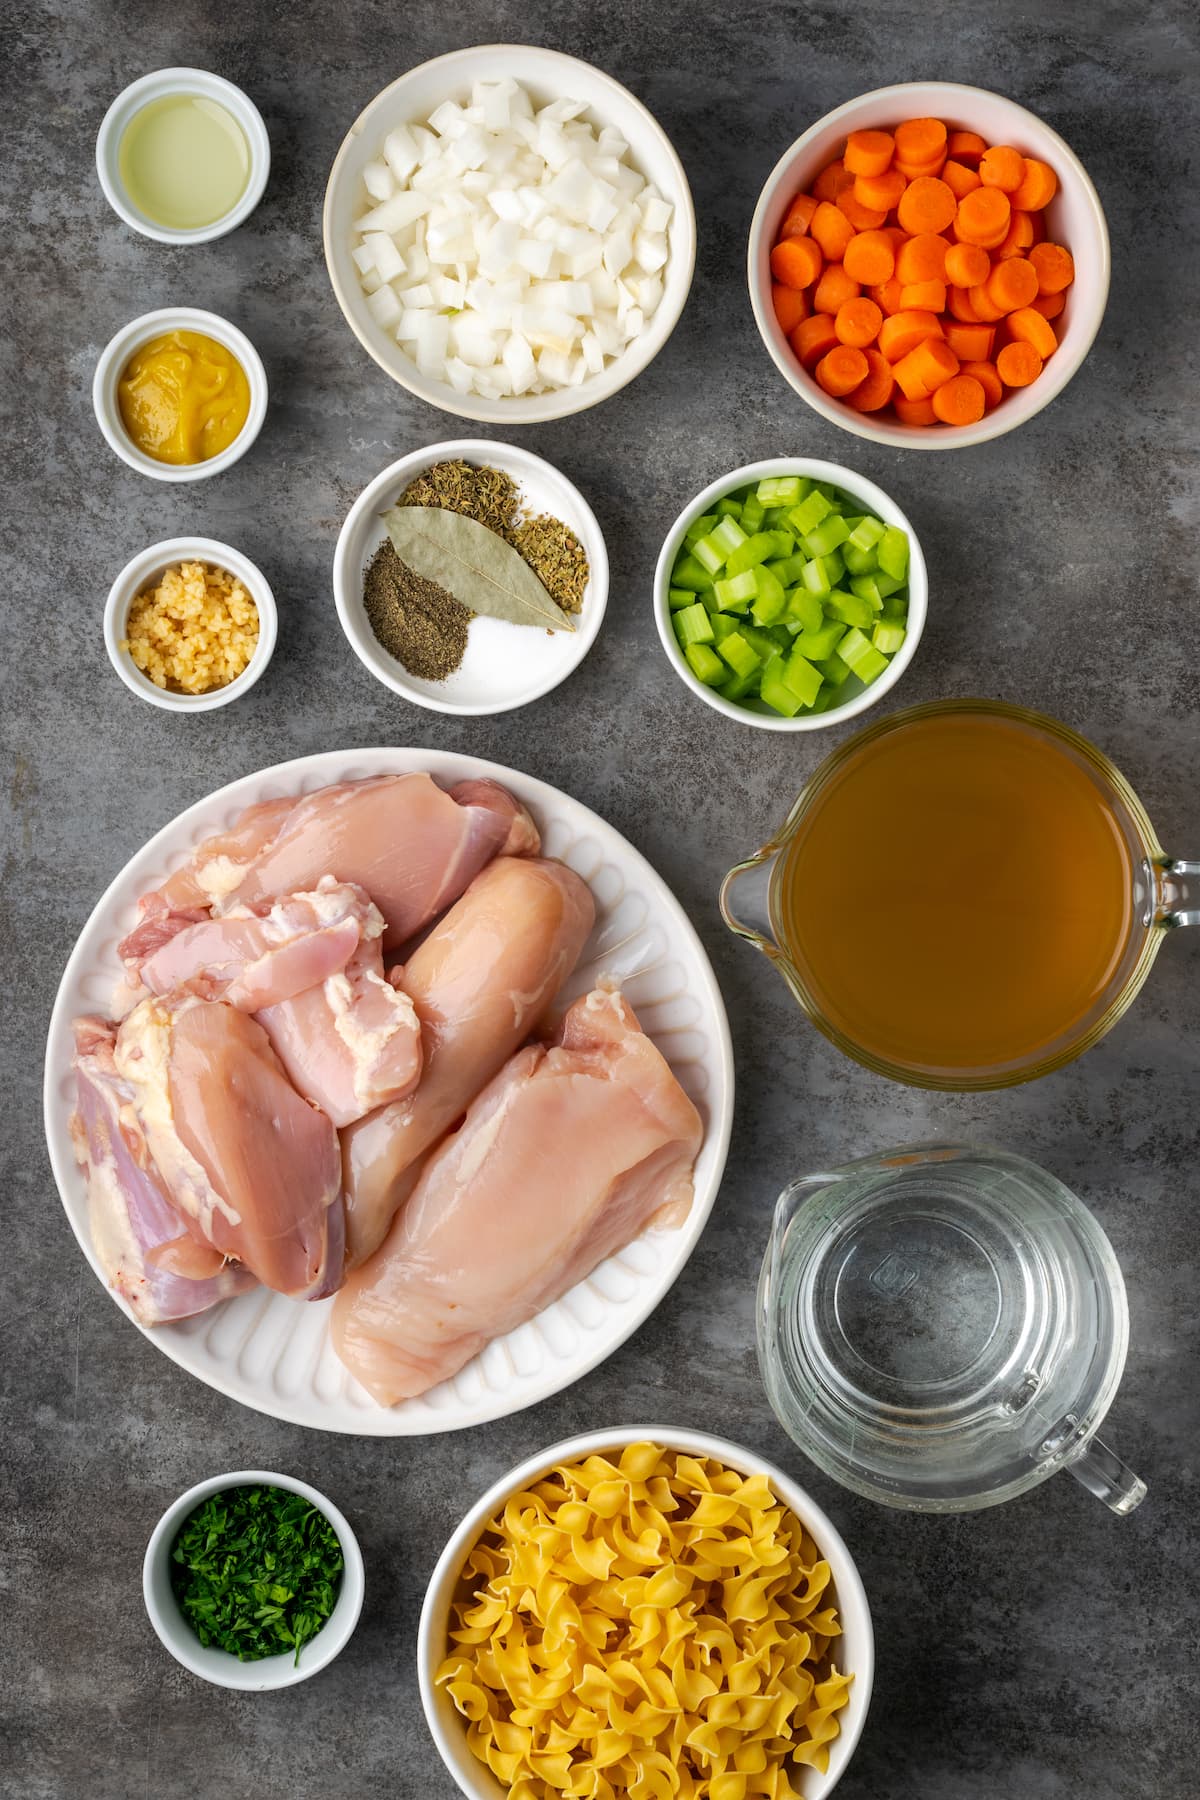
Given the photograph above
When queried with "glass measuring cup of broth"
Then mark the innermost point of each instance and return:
(941, 1328)
(965, 895)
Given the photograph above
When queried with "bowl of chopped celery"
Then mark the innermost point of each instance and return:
(791, 594)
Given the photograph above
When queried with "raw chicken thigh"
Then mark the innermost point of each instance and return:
(479, 982)
(253, 1166)
(568, 1154)
(147, 1252)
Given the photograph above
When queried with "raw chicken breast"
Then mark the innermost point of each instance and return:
(411, 845)
(252, 1165)
(310, 966)
(569, 1153)
(480, 982)
(144, 1245)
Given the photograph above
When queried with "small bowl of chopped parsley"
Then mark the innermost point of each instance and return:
(253, 1580)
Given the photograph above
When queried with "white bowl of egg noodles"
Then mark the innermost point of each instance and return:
(750, 1615)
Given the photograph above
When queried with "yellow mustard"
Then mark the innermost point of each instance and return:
(183, 397)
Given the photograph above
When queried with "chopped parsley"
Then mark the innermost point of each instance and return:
(256, 1571)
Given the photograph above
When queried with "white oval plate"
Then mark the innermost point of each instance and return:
(272, 1353)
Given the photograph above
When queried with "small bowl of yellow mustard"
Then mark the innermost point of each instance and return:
(180, 394)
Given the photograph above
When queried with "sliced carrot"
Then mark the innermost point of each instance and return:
(922, 258)
(914, 412)
(1002, 167)
(813, 338)
(1038, 187)
(869, 152)
(899, 238)
(966, 146)
(1049, 305)
(857, 322)
(1018, 364)
(924, 296)
(958, 305)
(1019, 236)
(797, 262)
(870, 258)
(924, 369)
(1055, 267)
(833, 178)
(1038, 221)
(841, 369)
(967, 265)
(879, 191)
(886, 295)
(799, 216)
(985, 374)
(834, 289)
(958, 178)
(863, 218)
(983, 306)
(1012, 283)
(926, 204)
(877, 387)
(1028, 326)
(920, 140)
(915, 171)
(982, 218)
(959, 401)
(832, 230)
(971, 343)
(791, 306)
(905, 330)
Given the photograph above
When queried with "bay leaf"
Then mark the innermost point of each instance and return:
(474, 564)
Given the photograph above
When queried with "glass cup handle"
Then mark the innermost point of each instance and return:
(1179, 893)
(1104, 1474)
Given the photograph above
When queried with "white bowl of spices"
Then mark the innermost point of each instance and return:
(471, 577)
(190, 624)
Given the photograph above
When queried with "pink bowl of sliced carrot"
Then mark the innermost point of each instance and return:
(928, 265)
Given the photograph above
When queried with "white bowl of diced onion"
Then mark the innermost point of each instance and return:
(509, 233)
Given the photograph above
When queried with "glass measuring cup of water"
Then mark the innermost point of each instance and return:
(942, 1327)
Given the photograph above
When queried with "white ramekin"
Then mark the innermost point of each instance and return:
(219, 1666)
(874, 500)
(144, 570)
(856, 1646)
(1074, 217)
(156, 87)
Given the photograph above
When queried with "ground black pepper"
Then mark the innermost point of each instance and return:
(415, 620)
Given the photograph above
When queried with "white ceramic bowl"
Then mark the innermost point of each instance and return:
(142, 572)
(1074, 218)
(219, 1666)
(856, 1646)
(505, 666)
(858, 698)
(156, 87)
(547, 75)
(116, 355)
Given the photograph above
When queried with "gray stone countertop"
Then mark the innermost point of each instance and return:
(1040, 1651)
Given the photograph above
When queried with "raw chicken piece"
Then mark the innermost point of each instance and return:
(480, 982)
(569, 1153)
(310, 966)
(251, 1164)
(145, 1248)
(411, 845)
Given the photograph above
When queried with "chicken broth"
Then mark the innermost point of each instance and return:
(957, 896)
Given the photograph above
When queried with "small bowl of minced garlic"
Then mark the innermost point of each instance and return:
(190, 624)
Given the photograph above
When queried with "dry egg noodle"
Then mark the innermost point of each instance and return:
(195, 631)
(658, 1627)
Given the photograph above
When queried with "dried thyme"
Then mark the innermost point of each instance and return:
(556, 557)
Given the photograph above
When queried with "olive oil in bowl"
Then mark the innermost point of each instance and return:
(184, 161)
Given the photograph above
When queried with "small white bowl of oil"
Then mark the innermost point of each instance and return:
(183, 156)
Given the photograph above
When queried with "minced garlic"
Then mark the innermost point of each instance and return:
(195, 631)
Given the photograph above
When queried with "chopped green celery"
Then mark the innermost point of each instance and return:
(732, 588)
(805, 608)
(893, 552)
(864, 660)
(811, 510)
(887, 636)
(779, 490)
(741, 655)
(826, 537)
(813, 577)
(859, 562)
(758, 548)
(740, 687)
(699, 528)
(834, 670)
(830, 492)
(867, 588)
(752, 512)
(705, 666)
(787, 569)
(820, 643)
(775, 691)
(688, 573)
(708, 553)
(677, 597)
(835, 566)
(895, 607)
(769, 593)
(776, 519)
(760, 640)
(867, 533)
(802, 678)
(730, 506)
(692, 626)
(887, 584)
(781, 635)
(722, 625)
(785, 541)
(727, 534)
(769, 607)
(849, 608)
